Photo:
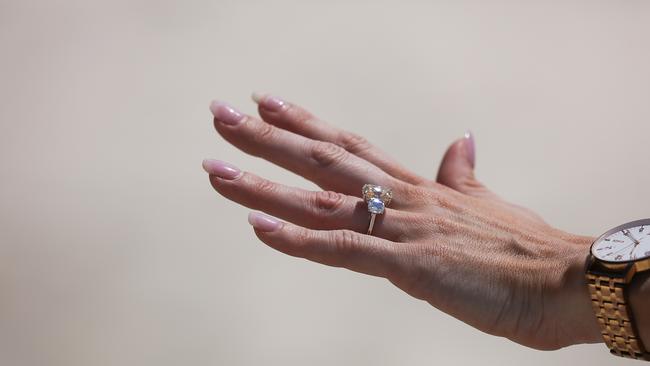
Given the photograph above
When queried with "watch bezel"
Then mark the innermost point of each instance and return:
(613, 230)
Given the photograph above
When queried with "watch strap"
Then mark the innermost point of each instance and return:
(609, 300)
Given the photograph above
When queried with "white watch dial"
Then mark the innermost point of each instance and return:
(624, 244)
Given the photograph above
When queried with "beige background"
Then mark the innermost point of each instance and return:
(114, 250)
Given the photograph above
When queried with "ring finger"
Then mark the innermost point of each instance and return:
(323, 210)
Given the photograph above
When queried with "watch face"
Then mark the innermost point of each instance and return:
(626, 243)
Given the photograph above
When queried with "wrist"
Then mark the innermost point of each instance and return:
(576, 301)
(578, 298)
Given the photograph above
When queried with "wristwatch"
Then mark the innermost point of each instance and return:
(614, 260)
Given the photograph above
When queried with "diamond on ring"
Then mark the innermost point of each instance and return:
(377, 198)
(376, 206)
(371, 191)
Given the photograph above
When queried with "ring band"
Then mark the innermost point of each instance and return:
(372, 223)
(377, 198)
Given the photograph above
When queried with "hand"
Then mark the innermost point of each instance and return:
(450, 242)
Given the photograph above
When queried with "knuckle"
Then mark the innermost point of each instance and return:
(328, 154)
(327, 202)
(346, 242)
(304, 237)
(264, 132)
(441, 199)
(444, 225)
(437, 224)
(411, 281)
(413, 193)
(264, 186)
(353, 142)
(303, 242)
(402, 224)
(415, 275)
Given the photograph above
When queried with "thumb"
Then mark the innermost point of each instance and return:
(457, 168)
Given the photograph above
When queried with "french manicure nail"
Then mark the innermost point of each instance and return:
(269, 102)
(470, 148)
(263, 222)
(225, 113)
(221, 169)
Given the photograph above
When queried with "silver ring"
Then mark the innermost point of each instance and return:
(377, 198)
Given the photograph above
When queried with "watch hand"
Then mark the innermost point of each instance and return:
(629, 235)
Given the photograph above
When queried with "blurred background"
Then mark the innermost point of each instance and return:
(115, 250)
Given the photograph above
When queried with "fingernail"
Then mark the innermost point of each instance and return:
(470, 148)
(263, 222)
(269, 102)
(221, 169)
(225, 113)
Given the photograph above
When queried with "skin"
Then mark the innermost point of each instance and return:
(450, 241)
